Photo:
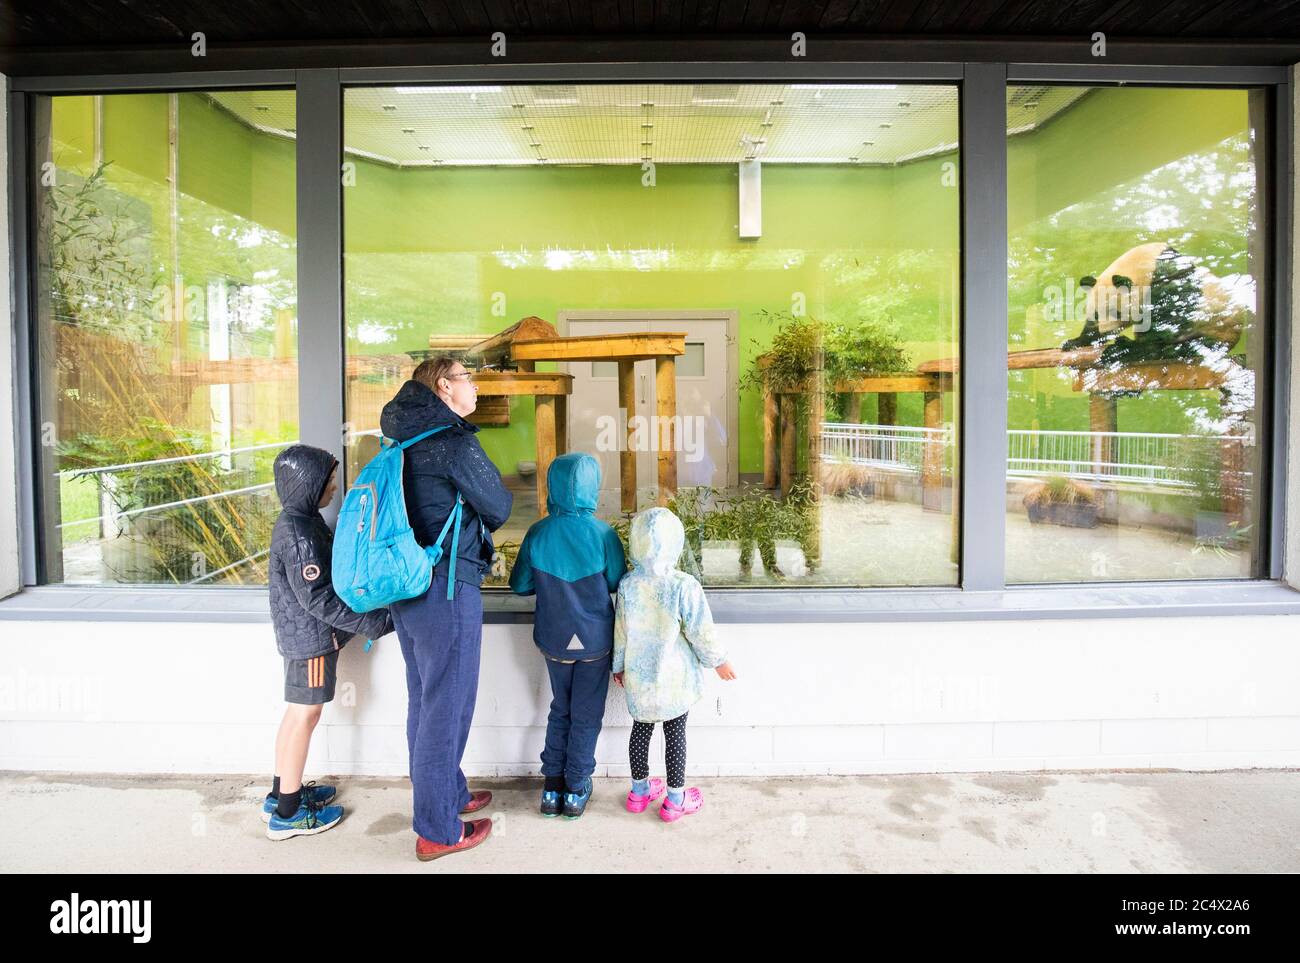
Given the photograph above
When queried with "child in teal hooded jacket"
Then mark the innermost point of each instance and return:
(571, 561)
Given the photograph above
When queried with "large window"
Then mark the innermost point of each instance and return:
(165, 332)
(743, 299)
(1137, 332)
(795, 248)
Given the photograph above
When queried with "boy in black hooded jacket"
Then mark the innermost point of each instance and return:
(311, 625)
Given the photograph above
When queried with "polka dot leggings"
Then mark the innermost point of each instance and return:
(638, 750)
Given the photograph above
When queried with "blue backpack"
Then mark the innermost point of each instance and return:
(376, 559)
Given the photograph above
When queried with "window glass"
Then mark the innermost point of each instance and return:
(1136, 333)
(165, 332)
(801, 244)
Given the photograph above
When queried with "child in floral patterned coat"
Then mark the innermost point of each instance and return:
(663, 635)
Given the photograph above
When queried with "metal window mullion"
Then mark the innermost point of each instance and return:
(1274, 399)
(320, 269)
(983, 384)
(19, 237)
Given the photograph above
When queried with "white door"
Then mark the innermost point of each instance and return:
(706, 394)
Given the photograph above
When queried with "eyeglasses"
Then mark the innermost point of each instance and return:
(467, 375)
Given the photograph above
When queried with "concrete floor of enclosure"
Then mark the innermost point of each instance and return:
(1243, 821)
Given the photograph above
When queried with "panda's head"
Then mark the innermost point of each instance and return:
(1113, 303)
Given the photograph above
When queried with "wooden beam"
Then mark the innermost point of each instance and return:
(1017, 360)
(237, 371)
(453, 343)
(512, 383)
(1174, 376)
(901, 382)
(496, 349)
(491, 412)
(601, 347)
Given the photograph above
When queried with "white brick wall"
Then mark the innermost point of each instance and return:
(1194, 693)
(1199, 693)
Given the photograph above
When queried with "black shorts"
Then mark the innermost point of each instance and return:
(310, 682)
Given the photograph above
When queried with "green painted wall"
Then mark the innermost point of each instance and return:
(428, 250)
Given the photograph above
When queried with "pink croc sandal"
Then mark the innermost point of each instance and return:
(638, 804)
(691, 804)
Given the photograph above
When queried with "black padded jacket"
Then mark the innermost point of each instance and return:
(309, 617)
(434, 469)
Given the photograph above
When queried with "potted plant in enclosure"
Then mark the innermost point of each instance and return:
(1062, 500)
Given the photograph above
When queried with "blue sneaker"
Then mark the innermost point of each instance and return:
(575, 803)
(551, 803)
(307, 821)
(320, 795)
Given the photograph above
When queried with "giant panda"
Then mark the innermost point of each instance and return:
(1178, 312)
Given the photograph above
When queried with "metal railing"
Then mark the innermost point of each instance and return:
(1158, 459)
(884, 446)
(105, 476)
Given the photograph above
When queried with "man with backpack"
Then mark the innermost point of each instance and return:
(441, 631)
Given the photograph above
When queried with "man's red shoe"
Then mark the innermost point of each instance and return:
(476, 830)
(477, 801)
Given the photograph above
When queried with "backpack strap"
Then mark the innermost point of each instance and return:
(453, 522)
(420, 437)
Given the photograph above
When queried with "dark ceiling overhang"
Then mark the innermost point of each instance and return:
(87, 37)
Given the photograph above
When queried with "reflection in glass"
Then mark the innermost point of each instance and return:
(166, 319)
(800, 243)
(1135, 333)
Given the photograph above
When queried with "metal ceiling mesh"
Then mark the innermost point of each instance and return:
(511, 125)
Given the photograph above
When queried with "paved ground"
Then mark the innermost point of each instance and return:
(1126, 822)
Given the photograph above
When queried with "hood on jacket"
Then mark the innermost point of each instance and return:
(656, 540)
(301, 473)
(417, 408)
(572, 484)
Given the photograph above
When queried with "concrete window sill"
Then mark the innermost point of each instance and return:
(1120, 600)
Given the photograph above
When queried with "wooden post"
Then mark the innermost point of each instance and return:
(853, 410)
(770, 422)
(1102, 416)
(627, 457)
(545, 418)
(666, 409)
(788, 426)
(816, 416)
(932, 455)
(1232, 475)
(561, 424)
(887, 403)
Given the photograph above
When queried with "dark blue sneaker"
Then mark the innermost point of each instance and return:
(320, 795)
(551, 803)
(307, 821)
(575, 803)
